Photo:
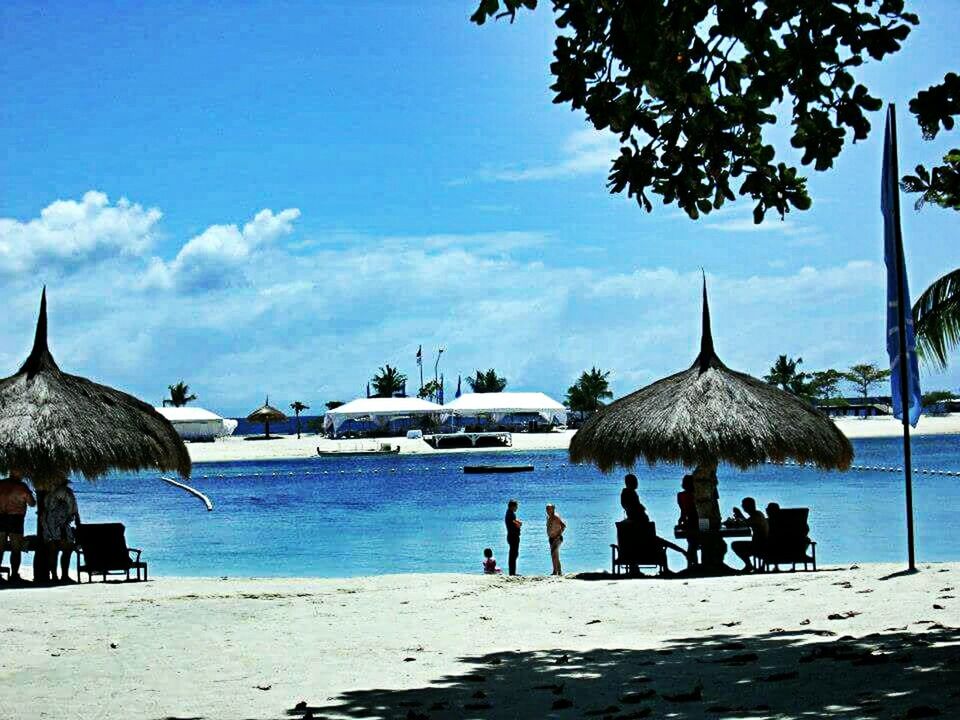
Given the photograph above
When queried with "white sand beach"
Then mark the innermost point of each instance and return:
(844, 642)
(288, 447)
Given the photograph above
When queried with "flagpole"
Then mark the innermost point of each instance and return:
(902, 336)
(420, 363)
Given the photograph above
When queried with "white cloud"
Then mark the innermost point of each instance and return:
(312, 321)
(738, 219)
(584, 152)
(216, 257)
(69, 233)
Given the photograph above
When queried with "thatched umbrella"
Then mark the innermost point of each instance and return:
(266, 415)
(53, 424)
(707, 414)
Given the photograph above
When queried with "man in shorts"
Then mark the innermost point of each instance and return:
(15, 496)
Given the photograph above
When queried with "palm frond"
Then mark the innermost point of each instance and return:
(936, 319)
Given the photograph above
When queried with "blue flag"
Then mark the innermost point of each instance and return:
(897, 283)
(458, 386)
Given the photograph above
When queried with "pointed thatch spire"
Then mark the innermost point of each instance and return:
(708, 355)
(40, 354)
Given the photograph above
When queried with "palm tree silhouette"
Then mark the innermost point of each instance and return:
(388, 381)
(298, 407)
(179, 395)
(590, 390)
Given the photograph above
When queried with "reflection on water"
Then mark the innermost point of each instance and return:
(370, 515)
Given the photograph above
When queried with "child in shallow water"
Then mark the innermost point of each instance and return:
(489, 563)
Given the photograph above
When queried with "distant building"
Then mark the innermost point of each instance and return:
(857, 406)
(943, 407)
(196, 424)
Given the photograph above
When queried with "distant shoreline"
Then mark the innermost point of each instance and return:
(288, 447)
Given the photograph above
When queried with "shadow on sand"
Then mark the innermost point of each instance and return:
(900, 673)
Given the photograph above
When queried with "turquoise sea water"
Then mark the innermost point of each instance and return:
(361, 516)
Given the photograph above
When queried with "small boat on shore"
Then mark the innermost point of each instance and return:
(384, 449)
(493, 469)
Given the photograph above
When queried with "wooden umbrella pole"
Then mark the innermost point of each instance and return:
(41, 568)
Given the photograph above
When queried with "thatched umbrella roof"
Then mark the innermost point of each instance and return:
(266, 414)
(708, 414)
(53, 423)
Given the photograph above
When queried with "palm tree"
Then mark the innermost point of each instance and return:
(589, 392)
(936, 319)
(784, 374)
(487, 382)
(388, 381)
(298, 407)
(179, 395)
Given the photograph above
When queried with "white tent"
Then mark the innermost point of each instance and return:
(497, 406)
(379, 411)
(195, 423)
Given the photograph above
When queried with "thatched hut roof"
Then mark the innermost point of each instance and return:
(707, 414)
(53, 423)
(266, 413)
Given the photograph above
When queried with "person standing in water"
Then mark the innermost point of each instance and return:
(555, 528)
(513, 535)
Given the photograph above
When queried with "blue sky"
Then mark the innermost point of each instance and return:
(281, 197)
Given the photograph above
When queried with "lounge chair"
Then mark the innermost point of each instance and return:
(637, 546)
(788, 540)
(102, 550)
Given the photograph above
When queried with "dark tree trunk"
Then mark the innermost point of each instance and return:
(41, 568)
(266, 426)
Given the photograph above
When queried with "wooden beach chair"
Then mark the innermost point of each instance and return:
(102, 550)
(637, 546)
(788, 540)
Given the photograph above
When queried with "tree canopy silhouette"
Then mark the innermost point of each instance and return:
(691, 88)
(864, 376)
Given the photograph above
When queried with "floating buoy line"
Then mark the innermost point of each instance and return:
(879, 468)
(307, 471)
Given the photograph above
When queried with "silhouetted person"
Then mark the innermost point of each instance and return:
(630, 500)
(59, 511)
(746, 549)
(689, 518)
(15, 496)
(513, 535)
(555, 528)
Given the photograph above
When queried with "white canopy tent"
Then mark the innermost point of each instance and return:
(196, 423)
(379, 411)
(497, 406)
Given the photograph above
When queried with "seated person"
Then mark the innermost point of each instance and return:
(757, 522)
(630, 500)
(637, 516)
(490, 563)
